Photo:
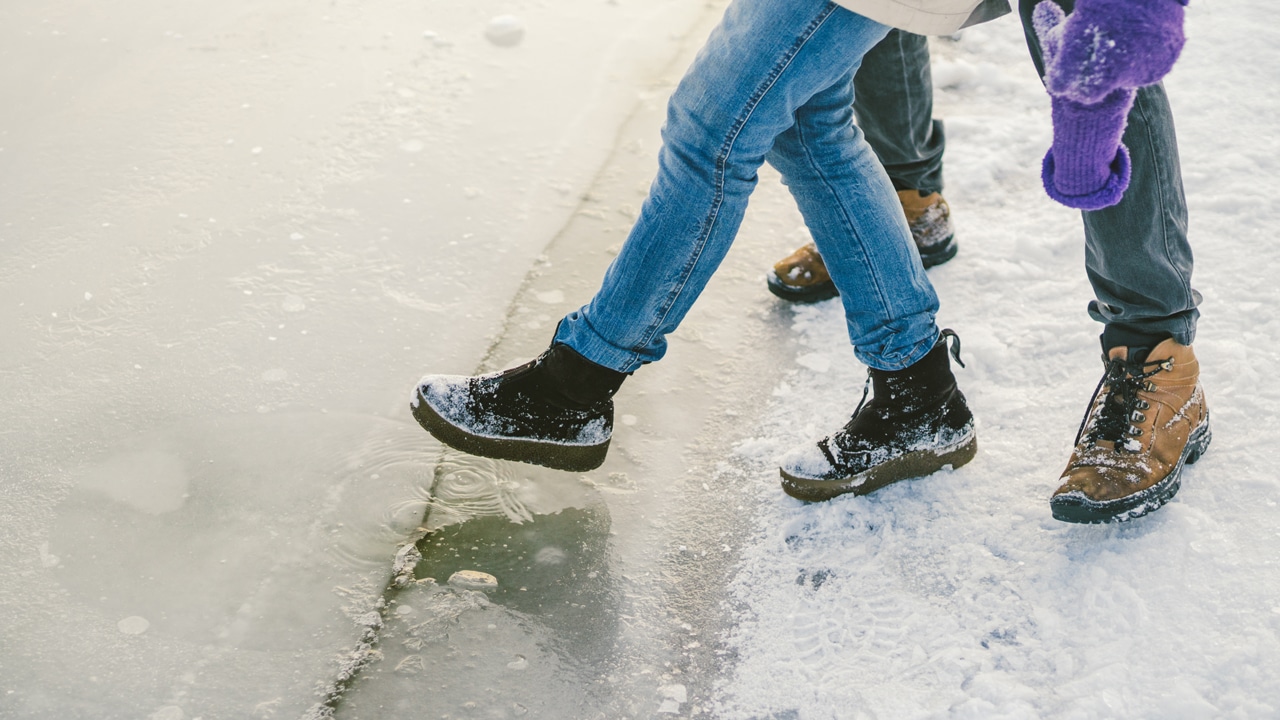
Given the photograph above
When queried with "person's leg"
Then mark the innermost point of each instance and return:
(1137, 255)
(764, 62)
(849, 207)
(1148, 417)
(917, 421)
(893, 103)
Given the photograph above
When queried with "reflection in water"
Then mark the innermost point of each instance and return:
(553, 569)
(532, 645)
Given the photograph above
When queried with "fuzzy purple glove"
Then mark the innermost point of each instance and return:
(1094, 62)
(1105, 45)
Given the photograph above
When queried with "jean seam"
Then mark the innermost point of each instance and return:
(722, 160)
(1163, 205)
(909, 99)
(849, 226)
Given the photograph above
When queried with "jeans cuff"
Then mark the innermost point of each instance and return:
(576, 332)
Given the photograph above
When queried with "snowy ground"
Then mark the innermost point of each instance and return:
(958, 595)
(232, 237)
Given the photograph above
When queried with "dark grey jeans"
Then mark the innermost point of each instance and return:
(1136, 252)
(893, 100)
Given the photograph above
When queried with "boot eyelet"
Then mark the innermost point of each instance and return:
(1167, 365)
(1150, 386)
(1135, 431)
(1138, 417)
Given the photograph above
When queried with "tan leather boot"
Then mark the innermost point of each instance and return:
(1147, 420)
(929, 218)
(802, 276)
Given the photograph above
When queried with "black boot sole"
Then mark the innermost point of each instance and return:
(558, 456)
(1076, 508)
(818, 292)
(806, 294)
(906, 467)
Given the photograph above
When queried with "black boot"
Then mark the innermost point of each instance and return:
(555, 410)
(916, 423)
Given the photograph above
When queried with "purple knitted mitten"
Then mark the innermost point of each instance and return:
(1094, 62)
(1109, 44)
(1088, 167)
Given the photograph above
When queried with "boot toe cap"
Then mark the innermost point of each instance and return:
(807, 462)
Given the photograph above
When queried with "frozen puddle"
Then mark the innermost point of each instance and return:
(237, 552)
(534, 642)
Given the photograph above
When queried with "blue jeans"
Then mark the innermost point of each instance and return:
(774, 82)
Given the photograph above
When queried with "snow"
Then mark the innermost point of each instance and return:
(201, 522)
(957, 595)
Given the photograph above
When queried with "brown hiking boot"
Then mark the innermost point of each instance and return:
(802, 276)
(1146, 421)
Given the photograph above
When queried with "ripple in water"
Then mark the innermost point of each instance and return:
(468, 486)
(388, 457)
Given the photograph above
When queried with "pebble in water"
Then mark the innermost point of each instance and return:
(505, 31)
(473, 580)
(133, 625)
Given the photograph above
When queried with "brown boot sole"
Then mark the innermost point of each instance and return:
(1075, 507)
(826, 290)
(911, 465)
(558, 456)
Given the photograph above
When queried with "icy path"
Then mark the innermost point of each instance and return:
(958, 595)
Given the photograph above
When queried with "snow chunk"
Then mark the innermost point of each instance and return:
(673, 697)
(133, 625)
(505, 31)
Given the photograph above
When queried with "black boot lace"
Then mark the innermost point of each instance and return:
(1122, 406)
(953, 347)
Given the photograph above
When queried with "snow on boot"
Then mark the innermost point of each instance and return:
(929, 217)
(555, 411)
(802, 276)
(916, 423)
(1146, 420)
